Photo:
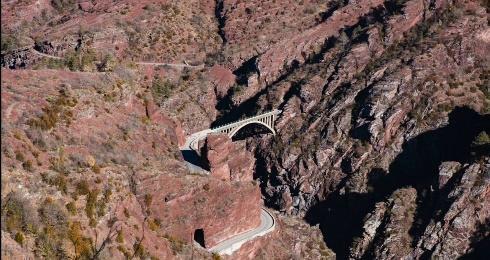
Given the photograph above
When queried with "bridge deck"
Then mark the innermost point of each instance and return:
(242, 121)
(231, 128)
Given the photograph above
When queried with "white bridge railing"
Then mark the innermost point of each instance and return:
(266, 119)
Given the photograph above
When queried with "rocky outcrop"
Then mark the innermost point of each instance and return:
(104, 161)
(216, 152)
(251, 28)
(464, 214)
(12, 250)
(227, 160)
(222, 78)
(184, 205)
(371, 115)
(447, 171)
(295, 51)
(17, 59)
(386, 230)
(461, 214)
(157, 32)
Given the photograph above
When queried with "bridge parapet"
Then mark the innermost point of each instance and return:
(266, 119)
(241, 122)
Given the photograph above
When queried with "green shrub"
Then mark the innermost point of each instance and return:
(90, 206)
(120, 237)
(19, 238)
(19, 156)
(96, 168)
(139, 250)
(124, 251)
(59, 181)
(481, 139)
(82, 244)
(18, 215)
(82, 188)
(80, 60)
(53, 216)
(49, 246)
(50, 242)
(57, 110)
(154, 224)
(216, 256)
(72, 209)
(9, 42)
(27, 165)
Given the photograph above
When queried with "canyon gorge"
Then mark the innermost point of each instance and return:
(380, 148)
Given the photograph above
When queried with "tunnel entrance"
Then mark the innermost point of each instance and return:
(199, 237)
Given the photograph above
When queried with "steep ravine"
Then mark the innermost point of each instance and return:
(365, 135)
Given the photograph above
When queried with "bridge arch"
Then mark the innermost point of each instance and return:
(234, 131)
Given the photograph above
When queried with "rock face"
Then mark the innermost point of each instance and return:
(462, 218)
(126, 29)
(183, 206)
(295, 51)
(379, 114)
(101, 161)
(391, 220)
(227, 160)
(463, 223)
(12, 250)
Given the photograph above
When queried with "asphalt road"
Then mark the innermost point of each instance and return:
(228, 246)
(178, 65)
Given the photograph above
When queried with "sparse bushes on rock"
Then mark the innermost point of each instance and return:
(176, 244)
(18, 215)
(161, 89)
(90, 206)
(52, 215)
(82, 244)
(9, 42)
(58, 110)
(81, 60)
(139, 250)
(49, 242)
(63, 5)
(59, 180)
(154, 224)
(108, 63)
(19, 238)
(120, 237)
(72, 209)
(481, 139)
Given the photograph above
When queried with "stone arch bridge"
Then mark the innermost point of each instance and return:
(266, 119)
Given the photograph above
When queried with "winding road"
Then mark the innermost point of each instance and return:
(45, 55)
(191, 157)
(228, 246)
(176, 65)
(267, 221)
